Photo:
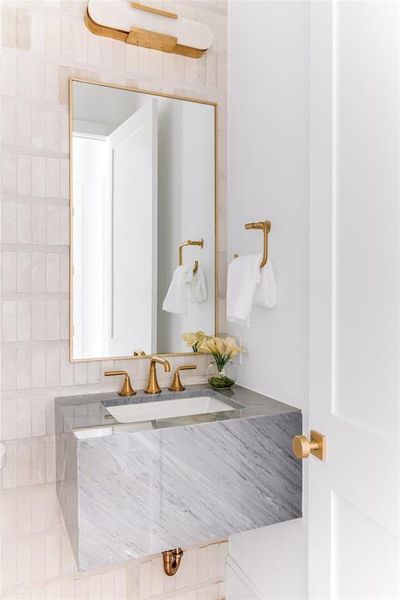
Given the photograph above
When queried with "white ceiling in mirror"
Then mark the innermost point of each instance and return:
(143, 183)
(150, 27)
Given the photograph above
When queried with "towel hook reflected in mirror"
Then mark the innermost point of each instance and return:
(199, 243)
(266, 228)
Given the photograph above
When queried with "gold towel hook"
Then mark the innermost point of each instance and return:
(266, 228)
(199, 243)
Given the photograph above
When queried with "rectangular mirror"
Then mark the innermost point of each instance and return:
(143, 221)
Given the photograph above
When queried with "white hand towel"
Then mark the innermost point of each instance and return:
(265, 295)
(175, 299)
(243, 276)
(197, 289)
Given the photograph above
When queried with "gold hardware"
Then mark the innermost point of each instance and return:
(139, 353)
(151, 39)
(176, 385)
(266, 228)
(190, 243)
(127, 389)
(152, 385)
(172, 560)
(156, 11)
(142, 37)
(73, 79)
(316, 445)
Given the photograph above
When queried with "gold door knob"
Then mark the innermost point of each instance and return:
(316, 445)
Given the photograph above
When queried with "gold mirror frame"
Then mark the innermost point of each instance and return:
(71, 210)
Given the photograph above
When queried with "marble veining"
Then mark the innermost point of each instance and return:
(135, 492)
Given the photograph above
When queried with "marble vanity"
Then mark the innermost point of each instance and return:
(130, 489)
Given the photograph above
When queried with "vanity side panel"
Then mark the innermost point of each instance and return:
(146, 492)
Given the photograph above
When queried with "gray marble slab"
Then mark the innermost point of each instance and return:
(133, 490)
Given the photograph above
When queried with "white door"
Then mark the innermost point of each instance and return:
(354, 299)
(133, 236)
(89, 250)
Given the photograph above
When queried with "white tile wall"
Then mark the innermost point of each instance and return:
(38, 562)
(42, 44)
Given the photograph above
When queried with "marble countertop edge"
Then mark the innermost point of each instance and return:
(81, 413)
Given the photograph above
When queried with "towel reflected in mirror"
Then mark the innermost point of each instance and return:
(185, 287)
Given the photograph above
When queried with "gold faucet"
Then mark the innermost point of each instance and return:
(176, 385)
(127, 389)
(152, 385)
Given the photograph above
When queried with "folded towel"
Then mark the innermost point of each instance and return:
(265, 295)
(243, 276)
(197, 288)
(176, 298)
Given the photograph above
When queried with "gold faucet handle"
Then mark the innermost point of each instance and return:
(127, 389)
(176, 385)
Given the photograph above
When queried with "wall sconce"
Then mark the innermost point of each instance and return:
(141, 25)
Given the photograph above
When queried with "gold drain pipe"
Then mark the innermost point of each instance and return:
(172, 560)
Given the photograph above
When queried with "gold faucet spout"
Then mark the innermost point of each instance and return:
(160, 361)
(152, 385)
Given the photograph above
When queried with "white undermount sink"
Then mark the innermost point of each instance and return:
(166, 409)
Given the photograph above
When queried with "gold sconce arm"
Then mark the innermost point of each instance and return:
(265, 226)
(150, 39)
(199, 243)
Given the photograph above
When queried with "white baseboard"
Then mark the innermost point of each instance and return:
(238, 585)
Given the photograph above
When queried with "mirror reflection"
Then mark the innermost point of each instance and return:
(143, 221)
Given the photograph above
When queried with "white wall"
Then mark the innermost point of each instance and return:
(104, 104)
(268, 162)
(186, 193)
